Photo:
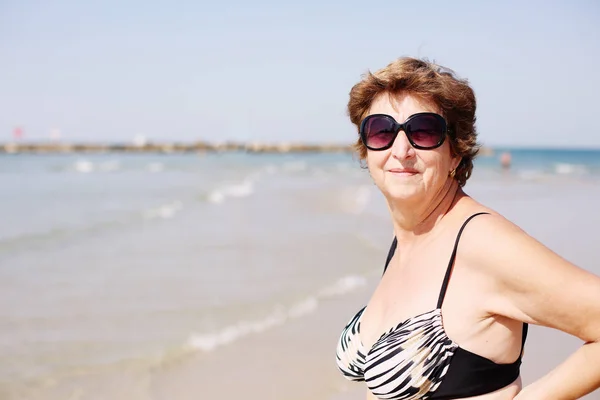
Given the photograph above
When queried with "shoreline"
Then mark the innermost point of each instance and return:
(171, 147)
(177, 147)
(183, 272)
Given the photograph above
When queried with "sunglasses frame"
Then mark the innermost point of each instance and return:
(398, 127)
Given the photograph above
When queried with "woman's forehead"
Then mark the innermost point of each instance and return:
(402, 104)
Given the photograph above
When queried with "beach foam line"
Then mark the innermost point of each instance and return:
(84, 166)
(239, 190)
(557, 171)
(570, 169)
(246, 186)
(87, 166)
(280, 315)
(164, 211)
(342, 286)
(27, 241)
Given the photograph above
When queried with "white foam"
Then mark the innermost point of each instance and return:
(303, 308)
(164, 211)
(343, 286)
(84, 166)
(531, 174)
(279, 316)
(569, 169)
(210, 341)
(216, 197)
(243, 189)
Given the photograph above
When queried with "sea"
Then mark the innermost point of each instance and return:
(108, 260)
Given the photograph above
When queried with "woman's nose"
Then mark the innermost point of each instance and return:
(401, 148)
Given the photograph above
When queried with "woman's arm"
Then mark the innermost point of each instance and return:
(534, 285)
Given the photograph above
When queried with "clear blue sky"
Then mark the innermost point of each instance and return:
(261, 70)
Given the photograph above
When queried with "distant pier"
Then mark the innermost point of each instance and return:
(167, 148)
(175, 147)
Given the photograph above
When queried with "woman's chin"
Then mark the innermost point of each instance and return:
(404, 193)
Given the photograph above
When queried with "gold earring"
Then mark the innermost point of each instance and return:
(452, 173)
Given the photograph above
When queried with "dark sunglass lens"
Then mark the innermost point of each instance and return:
(379, 132)
(426, 130)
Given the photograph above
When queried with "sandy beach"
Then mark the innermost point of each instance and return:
(184, 214)
(226, 291)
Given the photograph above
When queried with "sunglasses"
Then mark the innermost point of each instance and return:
(425, 131)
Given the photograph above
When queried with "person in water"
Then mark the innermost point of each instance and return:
(449, 317)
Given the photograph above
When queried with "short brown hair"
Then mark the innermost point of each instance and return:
(433, 83)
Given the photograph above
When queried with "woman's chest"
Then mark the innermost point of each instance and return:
(407, 288)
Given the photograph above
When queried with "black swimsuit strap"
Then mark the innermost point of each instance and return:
(451, 262)
(523, 338)
(390, 253)
(449, 272)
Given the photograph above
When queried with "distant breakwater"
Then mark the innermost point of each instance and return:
(166, 148)
(169, 148)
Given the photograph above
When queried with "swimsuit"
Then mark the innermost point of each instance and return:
(417, 360)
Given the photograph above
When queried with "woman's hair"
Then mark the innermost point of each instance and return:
(453, 97)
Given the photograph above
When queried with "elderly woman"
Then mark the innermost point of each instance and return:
(449, 317)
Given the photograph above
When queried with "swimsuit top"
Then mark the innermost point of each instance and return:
(417, 360)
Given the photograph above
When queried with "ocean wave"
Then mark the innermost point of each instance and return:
(27, 241)
(557, 170)
(279, 316)
(209, 342)
(531, 174)
(242, 189)
(164, 211)
(84, 166)
(344, 285)
(570, 169)
(170, 354)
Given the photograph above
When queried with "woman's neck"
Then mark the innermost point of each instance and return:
(420, 217)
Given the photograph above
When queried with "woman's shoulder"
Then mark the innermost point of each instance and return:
(482, 224)
(488, 240)
(529, 282)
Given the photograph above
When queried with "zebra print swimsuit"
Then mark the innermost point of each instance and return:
(417, 360)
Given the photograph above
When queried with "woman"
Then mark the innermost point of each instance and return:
(416, 122)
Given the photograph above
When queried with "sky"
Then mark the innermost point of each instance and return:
(275, 71)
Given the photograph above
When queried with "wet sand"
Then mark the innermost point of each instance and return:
(296, 360)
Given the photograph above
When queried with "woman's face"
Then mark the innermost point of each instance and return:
(403, 172)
